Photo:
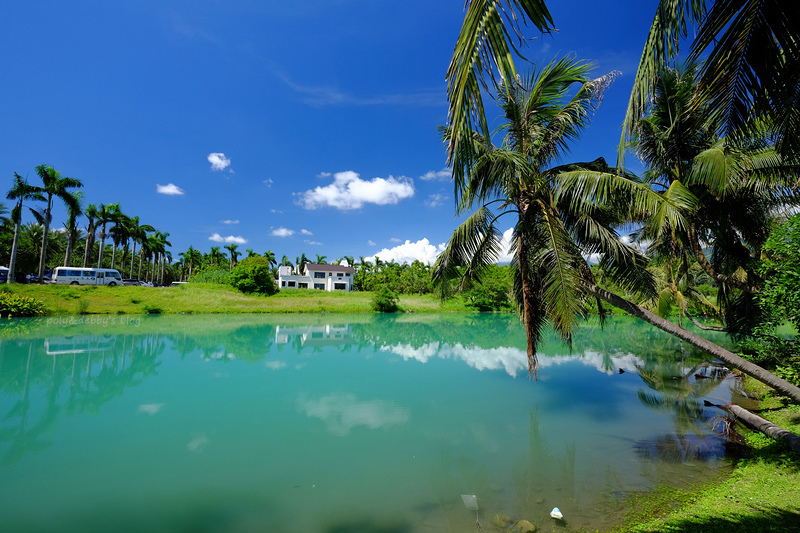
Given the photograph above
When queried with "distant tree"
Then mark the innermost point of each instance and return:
(71, 226)
(20, 191)
(234, 255)
(53, 185)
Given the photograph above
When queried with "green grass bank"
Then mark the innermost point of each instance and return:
(213, 298)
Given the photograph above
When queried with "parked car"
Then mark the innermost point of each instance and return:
(134, 282)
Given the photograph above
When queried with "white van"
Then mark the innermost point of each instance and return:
(87, 276)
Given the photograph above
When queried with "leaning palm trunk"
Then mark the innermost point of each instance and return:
(726, 356)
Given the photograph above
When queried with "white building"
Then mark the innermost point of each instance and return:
(320, 277)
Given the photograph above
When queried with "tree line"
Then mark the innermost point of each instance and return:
(111, 238)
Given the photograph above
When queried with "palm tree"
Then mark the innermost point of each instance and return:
(119, 234)
(731, 189)
(751, 68)
(234, 254)
(138, 234)
(91, 214)
(20, 191)
(54, 185)
(105, 214)
(485, 42)
(301, 262)
(321, 259)
(71, 226)
(269, 255)
(552, 228)
(190, 257)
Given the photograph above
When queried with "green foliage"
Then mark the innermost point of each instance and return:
(778, 303)
(385, 300)
(414, 278)
(253, 274)
(211, 274)
(492, 293)
(152, 309)
(14, 305)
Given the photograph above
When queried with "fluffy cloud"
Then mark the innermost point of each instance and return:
(282, 232)
(442, 175)
(230, 239)
(371, 243)
(218, 161)
(349, 191)
(306, 232)
(170, 189)
(409, 251)
(230, 221)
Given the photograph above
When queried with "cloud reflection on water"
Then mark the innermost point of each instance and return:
(512, 360)
(343, 412)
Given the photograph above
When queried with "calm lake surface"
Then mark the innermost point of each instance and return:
(341, 423)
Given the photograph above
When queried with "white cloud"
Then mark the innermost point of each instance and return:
(276, 211)
(282, 232)
(268, 182)
(395, 239)
(306, 232)
(505, 247)
(371, 243)
(230, 221)
(218, 161)
(313, 243)
(442, 175)
(324, 175)
(349, 191)
(170, 189)
(230, 239)
(409, 251)
(435, 200)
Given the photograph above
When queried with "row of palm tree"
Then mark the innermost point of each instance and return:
(720, 141)
(103, 220)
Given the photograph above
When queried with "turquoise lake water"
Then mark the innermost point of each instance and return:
(335, 423)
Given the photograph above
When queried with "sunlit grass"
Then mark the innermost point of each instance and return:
(212, 298)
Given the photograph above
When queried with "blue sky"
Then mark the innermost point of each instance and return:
(286, 126)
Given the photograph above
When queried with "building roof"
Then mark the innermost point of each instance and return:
(329, 268)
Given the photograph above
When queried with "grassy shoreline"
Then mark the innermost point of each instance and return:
(213, 298)
(761, 493)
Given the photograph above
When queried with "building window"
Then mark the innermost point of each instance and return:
(291, 284)
(283, 283)
(330, 274)
(339, 286)
(302, 285)
(319, 274)
(320, 286)
(348, 274)
(339, 275)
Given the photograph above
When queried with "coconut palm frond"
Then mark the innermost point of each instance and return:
(485, 42)
(474, 245)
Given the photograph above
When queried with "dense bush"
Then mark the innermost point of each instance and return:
(14, 305)
(385, 300)
(493, 292)
(211, 275)
(253, 275)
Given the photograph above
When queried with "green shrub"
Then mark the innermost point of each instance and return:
(253, 275)
(152, 309)
(212, 275)
(385, 300)
(13, 305)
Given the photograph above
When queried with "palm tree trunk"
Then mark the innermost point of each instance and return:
(726, 356)
(43, 254)
(68, 253)
(133, 257)
(760, 424)
(113, 255)
(12, 265)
